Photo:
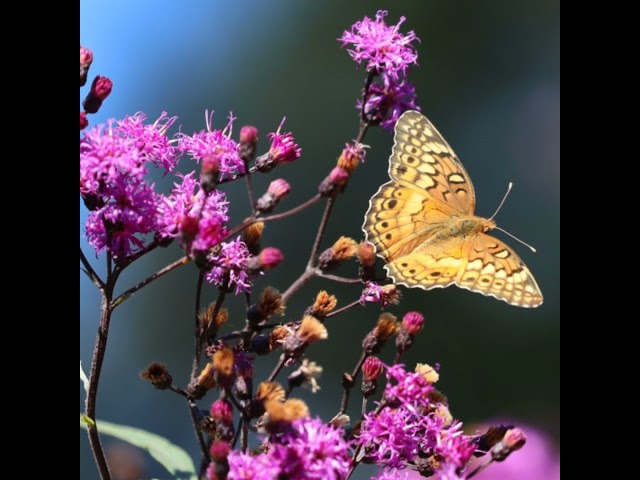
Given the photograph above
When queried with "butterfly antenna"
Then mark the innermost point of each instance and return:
(516, 238)
(503, 200)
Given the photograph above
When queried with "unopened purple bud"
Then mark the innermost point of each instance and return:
(248, 134)
(100, 89)
(86, 57)
(372, 368)
(222, 411)
(84, 121)
(279, 188)
(413, 322)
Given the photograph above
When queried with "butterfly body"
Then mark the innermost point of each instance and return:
(422, 223)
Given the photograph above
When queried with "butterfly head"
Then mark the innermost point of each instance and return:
(487, 224)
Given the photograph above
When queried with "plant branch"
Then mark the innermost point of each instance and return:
(337, 278)
(160, 273)
(347, 388)
(91, 273)
(321, 228)
(307, 275)
(277, 368)
(343, 309)
(239, 228)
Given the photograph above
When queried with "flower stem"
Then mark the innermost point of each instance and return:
(277, 368)
(91, 273)
(321, 228)
(94, 379)
(343, 309)
(307, 275)
(337, 278)
(347, 389)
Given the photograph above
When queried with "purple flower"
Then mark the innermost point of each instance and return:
(119, 222)
(123, 206)
(382, 47)
(152, 140)
(391, 436)
(215, 143)
(229, 268)
(388, 100)
(407, 388)
(189, 204)
(243, 466)
(409, 424)
(309, 450)
(283, 147)
(107, 159)
(323, 447)
(385, 295)
(454, 446)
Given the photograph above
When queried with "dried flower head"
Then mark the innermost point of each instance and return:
(343, 249)
(311, 330)
(386, 327)
(323, 305)
(223, 361)
(351, 156)
(271, 303)
(158, 375)
(285, 412)
(428, 372)
(251, 236)
(306, 375)
(366, 254)
(278, 335)
(340, 420)
(206, 379)
(210, 324)
(270, 391)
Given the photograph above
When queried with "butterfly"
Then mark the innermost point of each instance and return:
(422, 223)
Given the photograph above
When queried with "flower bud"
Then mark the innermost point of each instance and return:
(100, 90)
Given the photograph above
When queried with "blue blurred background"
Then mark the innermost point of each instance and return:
(489, 80)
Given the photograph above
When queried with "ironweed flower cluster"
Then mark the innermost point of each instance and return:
(409, 427)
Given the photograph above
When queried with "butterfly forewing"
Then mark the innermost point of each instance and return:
(422, 159)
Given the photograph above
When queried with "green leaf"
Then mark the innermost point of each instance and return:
(170, 456)
(83, 377)
(86, 419)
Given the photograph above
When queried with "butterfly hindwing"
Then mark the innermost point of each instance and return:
(400, 218)
(428, 269)
(494, 269)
